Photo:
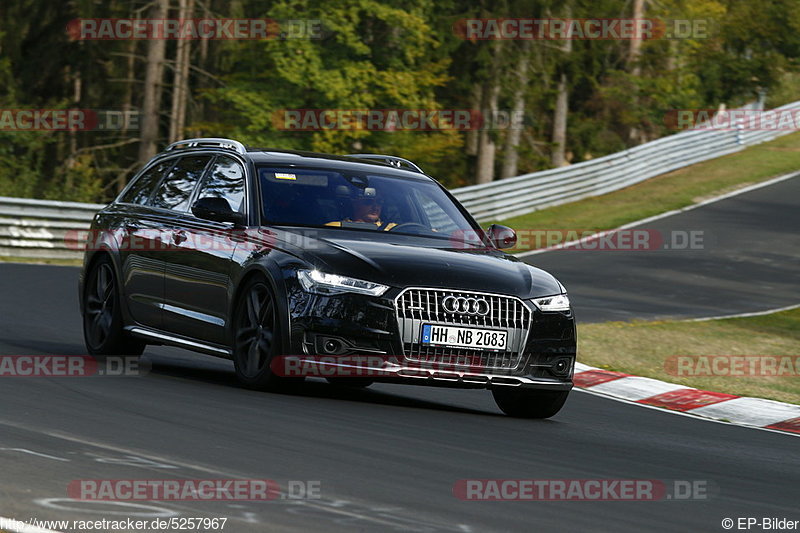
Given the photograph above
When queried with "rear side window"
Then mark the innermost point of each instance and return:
(225, 180)
(143, 187)
(178, 184)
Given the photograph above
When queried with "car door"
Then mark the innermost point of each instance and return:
(198, 265)
(168, 203)
(140, 244)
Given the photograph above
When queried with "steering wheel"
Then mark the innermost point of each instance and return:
(409, 225)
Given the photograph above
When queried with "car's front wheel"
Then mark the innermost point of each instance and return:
(256, 341)
(103, 330)
(527, 403)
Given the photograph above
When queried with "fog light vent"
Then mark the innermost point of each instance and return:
(562, 367)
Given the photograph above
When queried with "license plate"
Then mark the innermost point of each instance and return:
(484, 339)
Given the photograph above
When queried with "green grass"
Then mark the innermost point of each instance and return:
(40, 261)
(675, 190)
(644, 349)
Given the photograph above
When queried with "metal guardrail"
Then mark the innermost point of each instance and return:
(43, 229)
(520, 195)
(47, 229)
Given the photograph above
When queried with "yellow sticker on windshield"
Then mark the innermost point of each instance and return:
(282, 176)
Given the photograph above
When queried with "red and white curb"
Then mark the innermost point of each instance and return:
(743, 411)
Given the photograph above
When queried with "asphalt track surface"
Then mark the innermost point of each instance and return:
(748, 261)
(387, 458)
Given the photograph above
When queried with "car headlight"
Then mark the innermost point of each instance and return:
(559, 302)
(322, 283)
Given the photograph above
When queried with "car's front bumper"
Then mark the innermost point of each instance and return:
(367, 327)
(388, 371)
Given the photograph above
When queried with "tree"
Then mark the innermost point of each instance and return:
(180, 80)
(153, 80)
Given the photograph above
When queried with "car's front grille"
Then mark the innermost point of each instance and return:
(416, 307)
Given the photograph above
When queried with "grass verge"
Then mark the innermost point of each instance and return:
(40, 261)
(644, 349)
(675, 190)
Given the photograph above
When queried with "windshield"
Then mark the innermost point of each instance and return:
(358, 200)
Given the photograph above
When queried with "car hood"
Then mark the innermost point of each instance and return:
(417, 261)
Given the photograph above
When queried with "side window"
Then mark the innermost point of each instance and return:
(225, 180)
(178, 184)
(142, 188)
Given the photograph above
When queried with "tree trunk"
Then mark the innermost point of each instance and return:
(151, 104)
(634, 54)
(561, 112)
(127, 102)
(473, 134)
(180, 85)
(510, 150)
(487, 149)
(560, 123)
(635, 50)
(77, 94)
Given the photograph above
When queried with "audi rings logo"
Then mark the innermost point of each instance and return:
(466, 306)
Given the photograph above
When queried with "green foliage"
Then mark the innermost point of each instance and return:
(21, 153)
(381, 54)
(79, 183)
(20, 164)
(374, 56)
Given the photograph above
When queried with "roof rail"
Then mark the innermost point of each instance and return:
(208, 142)
(395, 161)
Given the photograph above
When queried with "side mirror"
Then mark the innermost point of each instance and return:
(501, 236)
(216, 209)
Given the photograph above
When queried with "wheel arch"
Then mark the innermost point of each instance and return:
(273, 275)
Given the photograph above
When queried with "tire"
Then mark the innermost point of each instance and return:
(527, 403)
(102, 314)
(256, 339)
(355, 383)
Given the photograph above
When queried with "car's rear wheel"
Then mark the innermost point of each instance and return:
(256, 341)
(527, 403)
(103, 330)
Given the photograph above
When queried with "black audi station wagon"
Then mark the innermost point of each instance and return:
(361, 266)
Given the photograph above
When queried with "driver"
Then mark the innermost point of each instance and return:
(366, 208)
